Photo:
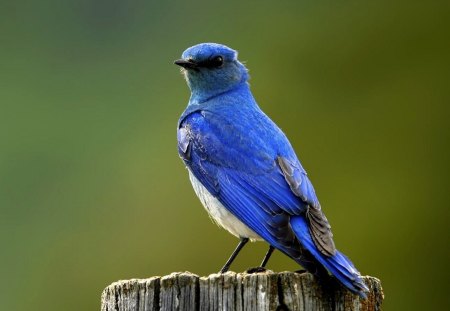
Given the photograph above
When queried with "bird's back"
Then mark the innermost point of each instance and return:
(233, 131)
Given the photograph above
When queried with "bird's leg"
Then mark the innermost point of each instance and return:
(267, 257)
(262, 267)
(233, 256)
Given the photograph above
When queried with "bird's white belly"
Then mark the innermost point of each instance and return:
(219, 214)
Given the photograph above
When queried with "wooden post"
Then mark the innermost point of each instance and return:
(236, 291)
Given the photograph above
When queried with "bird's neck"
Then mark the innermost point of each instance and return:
(201, 96)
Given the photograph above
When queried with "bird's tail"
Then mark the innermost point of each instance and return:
(338, 264)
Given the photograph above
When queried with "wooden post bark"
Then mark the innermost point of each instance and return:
(236, 291)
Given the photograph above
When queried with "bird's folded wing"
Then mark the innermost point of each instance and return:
(250, 205)
(251, 180)
(301, 186)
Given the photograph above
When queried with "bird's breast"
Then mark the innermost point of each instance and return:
(219, 214)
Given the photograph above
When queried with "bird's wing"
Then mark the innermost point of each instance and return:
(302, 187)
(250, 179)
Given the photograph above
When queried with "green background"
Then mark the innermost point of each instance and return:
(91, 186)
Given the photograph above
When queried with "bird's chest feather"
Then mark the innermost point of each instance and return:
(219, 214)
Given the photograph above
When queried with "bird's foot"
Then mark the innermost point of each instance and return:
(256, 270)
(223, 270)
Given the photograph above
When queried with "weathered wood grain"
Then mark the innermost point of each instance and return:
(237, 291)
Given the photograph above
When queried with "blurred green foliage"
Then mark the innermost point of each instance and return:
(91, 186)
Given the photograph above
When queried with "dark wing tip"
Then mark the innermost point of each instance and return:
(320, 231)
(319, 227)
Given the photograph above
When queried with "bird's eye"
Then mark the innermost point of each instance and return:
(217, 61)
(211, 63)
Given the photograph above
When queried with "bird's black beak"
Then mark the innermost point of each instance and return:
(186, 64)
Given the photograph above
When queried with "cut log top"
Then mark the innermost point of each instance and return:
(237, 291)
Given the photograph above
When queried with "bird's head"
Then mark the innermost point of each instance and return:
(211, 69)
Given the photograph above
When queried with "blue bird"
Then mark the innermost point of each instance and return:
(246, 173)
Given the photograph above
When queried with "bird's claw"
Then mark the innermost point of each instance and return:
(255, 270)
